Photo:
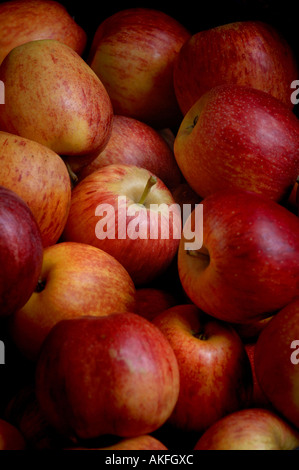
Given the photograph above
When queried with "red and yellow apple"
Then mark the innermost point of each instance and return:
(75, 280)
(239, 137)
(115, 374)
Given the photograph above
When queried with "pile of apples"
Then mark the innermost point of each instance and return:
(115, 339)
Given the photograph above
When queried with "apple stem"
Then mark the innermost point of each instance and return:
(73, 176)
(150, 182)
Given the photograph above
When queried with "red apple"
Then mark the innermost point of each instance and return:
(10, 437)
(39, 176)
(116, 209)
(250, 429)
(215, 373)
(250, 53)
(23, 21)
(145, 442)
(277, 361)
(133, 142)
(248, 265)
(53, 97)
(239, 137)
(115, 374)
(150, 301)
(133, 53)
(75, 280)
(259, 399)
(21, 252)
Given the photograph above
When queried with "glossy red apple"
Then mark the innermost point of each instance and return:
(133, 53)
(250, 53)
(250, 429)
(75, 280)
(127, 212)
(39, 176)
(133, 142)
(239, 137)
(115, 374)
(277, 361)
(215, 372)
(53, 97)
(248, 265)
(21, 252)
(23, 21)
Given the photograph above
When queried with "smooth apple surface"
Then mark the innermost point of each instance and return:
(133, 53)
(75, 280)
(133, 142)
(114, 375)
(108, 211)
(215, 372)
(24, 21)
(250, 53)
(53, 97)
(250, 429)
(247, 267)
(21, 252)
(39, 176)
(277, 361)
(10, 437)
(239, 137)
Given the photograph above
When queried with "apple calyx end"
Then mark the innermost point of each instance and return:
(41, 284)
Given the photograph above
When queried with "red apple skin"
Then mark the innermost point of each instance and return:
(250, 53)
(10, 437)
(215, 372)
(150, 301)
(239, 137)
(247, 268)
(133, 53)
(144, 258)
(259, 399)
(250, 429)
(75, 280)
(133, 142)
(24, 21)
(53, 97)
(21, 252)
(39, 176)
(276, 362)
(114, 375)
(145, 442)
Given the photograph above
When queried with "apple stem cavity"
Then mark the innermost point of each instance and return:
(150, 183)
(202, 253)
(41, 284)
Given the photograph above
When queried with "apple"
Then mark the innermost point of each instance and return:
(21, 252)
(250, 429)
(23, 21)
(215, 372)
(133, 142)
(150, 301)
(133, 53)
(144, 442)
(128, 212)
(75, 280)
(250, 53)
(248, 265)
(276, 361)
(116, 374)
(39, 176)
(53, 97)
(239, 137)
(259, 399)
(10, 437)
